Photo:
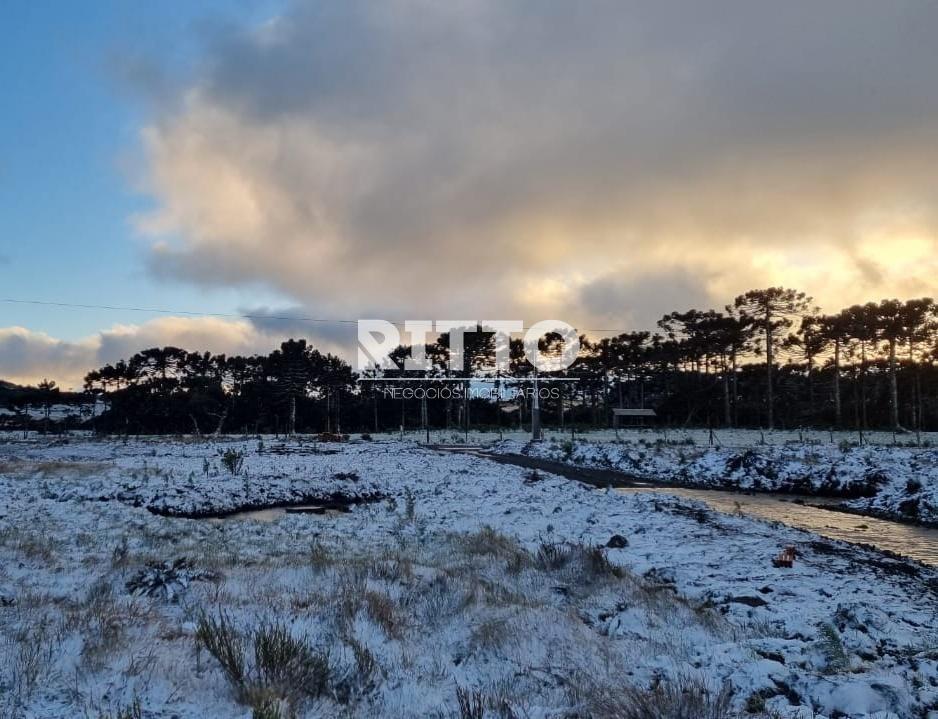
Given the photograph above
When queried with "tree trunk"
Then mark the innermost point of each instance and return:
(863, 421)
(769, 358)
(838, 416)
(221, 422)
(727, 418)
(735, 392)
(893, 387)
(291, 421)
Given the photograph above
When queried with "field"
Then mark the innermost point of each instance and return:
(133, 584)
(700, 437)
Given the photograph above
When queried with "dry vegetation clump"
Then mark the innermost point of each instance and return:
(682, 698)
(46, 469)
(267, 667)
(32, 545)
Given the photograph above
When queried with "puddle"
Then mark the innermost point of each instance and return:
(272, 514)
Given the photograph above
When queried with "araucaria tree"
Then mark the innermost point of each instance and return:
(290, 369)
(772, 312)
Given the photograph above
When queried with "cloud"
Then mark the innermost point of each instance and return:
(481, 158)
(27, 356)
(640, 302)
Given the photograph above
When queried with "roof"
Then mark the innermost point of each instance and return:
(623, 412)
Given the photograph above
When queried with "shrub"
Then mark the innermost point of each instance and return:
(684, 698)
(586, 563)
(132, 711)
(233, 460)
(410, 505)
(166, 580)
(220, 639)
(284, 668)
(267, 709)
(832, 647)
(552, 555)
(475, 704)
(287, 665)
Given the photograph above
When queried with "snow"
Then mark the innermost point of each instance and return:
(847, 631)
(899, 483)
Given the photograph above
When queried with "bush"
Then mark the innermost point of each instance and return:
(132, 711)
(287, 665)
(220, 639)
(832, 647)
(588, 563)
(684, 698)
(284, 668)
(232, 460)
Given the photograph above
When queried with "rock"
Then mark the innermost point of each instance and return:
(748, 601)
(660, 575)
(617, 541)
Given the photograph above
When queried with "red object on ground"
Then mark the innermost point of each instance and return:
(786, 558)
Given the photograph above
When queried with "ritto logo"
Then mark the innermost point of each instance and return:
(378, 340)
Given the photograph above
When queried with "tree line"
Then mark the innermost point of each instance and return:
(768, 359)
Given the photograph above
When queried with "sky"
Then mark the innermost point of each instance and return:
(601, 163)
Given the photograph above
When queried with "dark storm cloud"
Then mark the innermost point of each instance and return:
(639, 301)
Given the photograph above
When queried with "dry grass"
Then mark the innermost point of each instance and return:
(30, 649)
(52, 468)
(384, 612)
(281, 669)
(371, 614)
(682, 698)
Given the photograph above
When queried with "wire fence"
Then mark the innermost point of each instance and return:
(734, 438)
(730, 438)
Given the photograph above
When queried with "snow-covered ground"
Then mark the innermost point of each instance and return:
(469, 589)
(891, 482)
(690, 436)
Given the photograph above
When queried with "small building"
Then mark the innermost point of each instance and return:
(637, 416)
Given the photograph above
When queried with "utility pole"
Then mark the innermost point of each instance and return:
(535, 411)
(424, 415)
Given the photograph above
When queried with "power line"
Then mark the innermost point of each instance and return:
(227, 315)
(188, 313)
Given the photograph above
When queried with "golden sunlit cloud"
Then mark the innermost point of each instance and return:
(529, 170)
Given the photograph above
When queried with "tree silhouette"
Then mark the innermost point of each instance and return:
(772, 311)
